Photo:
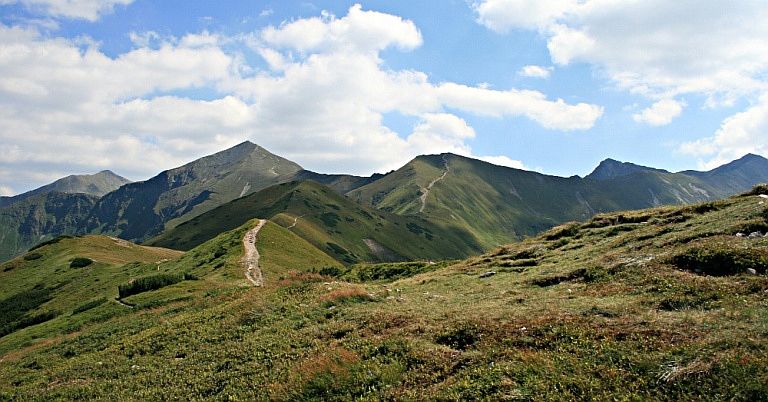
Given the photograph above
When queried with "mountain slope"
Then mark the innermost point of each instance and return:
(331, 222)
(140, 210)
(610, 169)
(96, 184)
(41, 217)
(659, 304)
(499, 204)
(736, 176)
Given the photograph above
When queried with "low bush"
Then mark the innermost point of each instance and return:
(461, 337)
(757, 190)
(721, 260)
(90, 305)
(80, 262)
(148, 283)
(344, 295)
(567, 230)
(52, 241)
(32, 256)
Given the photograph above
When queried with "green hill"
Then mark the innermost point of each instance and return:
(499, 204)
(345, 230)
(41, 217)
(660, 304)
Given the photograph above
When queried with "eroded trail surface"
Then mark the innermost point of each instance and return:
(425, 191)
(251, 258)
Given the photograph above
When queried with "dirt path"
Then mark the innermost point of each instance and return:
(295, 221)
(251, 258)
(124, 304)
(425, 191)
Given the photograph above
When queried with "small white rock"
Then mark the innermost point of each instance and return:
(751, 271)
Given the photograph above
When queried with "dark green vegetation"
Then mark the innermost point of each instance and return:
(498, 204)
(332, 223)
(624, 306)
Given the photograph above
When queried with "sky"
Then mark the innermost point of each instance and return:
(556, 86)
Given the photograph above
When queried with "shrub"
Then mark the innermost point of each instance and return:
(567, 230)
(190, 277)
(757, 190)
(352, 294)
(148, 283)
(80, 262)
(90, 305)
(721, 260)
(52, 241)
(330, 271)
(461, 337)
(32, 256)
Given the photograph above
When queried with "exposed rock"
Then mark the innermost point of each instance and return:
(751, 271)
(487, 274)
(755, 234)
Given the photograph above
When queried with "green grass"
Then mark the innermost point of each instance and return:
(331, 223)
(498, 204)
(592, 310)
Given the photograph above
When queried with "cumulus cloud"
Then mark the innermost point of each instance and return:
(740, 134)
(655, 47)
(503, 15)
(660, 113)
(66, 105)
(6, 191)
(90, 10)
(358, 31)
(661, 50)
(535, 72)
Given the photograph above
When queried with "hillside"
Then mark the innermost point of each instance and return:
(499, 204)
(96, 184)
(39, 218)
(47, 285)
(347, 231)
(667, 303)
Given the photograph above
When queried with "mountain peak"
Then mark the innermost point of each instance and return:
(611, 168)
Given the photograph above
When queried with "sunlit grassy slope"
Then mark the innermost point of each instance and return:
(499, 204)
(660, 304)
(331, 223)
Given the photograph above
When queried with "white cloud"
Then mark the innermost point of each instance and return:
(535, 72)
(660, 113)
(61, 99)
(658, 48)
(557, 115)
(90, 10)
(740, 134)
(358, 31)
(503, 15)
(503, 161)
(6, 191)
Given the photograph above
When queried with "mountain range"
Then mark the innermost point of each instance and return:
(436, 206)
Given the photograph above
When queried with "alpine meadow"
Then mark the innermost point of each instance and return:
(540, 200)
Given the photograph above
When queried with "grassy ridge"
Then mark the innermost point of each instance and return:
(498, 204)
(603, 309)
(331, 223)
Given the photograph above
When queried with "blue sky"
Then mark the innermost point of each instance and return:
(138, 86)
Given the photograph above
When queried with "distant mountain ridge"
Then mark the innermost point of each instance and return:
(499, 204)
(97, 184)
(611, 169)
(489, 204)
